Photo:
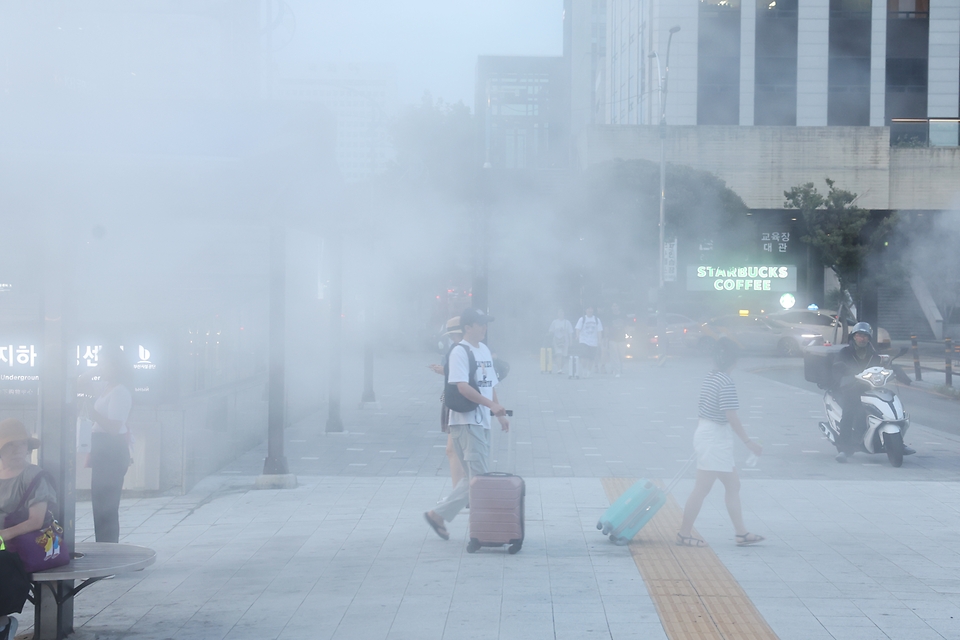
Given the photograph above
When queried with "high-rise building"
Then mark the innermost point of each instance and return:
(585, 25)
(362, 97)
(522, 105)
(889, 63)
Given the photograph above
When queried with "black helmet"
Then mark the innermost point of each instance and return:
(861, 327)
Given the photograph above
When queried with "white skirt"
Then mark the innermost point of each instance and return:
(713, 443)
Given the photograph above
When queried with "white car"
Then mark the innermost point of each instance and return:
(823, 322)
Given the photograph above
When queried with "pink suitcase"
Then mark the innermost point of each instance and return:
(496, 511)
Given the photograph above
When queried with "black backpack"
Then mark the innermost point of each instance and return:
(452, 397)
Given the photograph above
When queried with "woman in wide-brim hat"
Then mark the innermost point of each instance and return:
(16, 475)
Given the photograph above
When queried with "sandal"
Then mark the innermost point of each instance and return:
(689, 541)
(439, 528)
(748, 539)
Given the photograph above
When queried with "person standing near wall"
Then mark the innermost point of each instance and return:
(109, 445)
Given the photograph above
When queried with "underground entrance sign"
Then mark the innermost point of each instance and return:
(765, 277)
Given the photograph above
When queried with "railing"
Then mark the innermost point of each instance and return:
(908, 15)
(925, 132)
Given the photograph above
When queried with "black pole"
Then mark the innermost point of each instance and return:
(276, 462)
(916, 358)
(57, 431)
(948, 362)
(368, 394)
(334, 422)
(481, 249)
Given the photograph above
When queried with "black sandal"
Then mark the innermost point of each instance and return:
(745, 540)
(689, 541)
(439, 528)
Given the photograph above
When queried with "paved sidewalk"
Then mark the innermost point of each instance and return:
(854, 551)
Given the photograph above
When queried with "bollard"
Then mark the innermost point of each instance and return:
(916, 359)
(948, 363)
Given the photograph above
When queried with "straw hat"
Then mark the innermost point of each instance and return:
(453, 326)
(12, 430)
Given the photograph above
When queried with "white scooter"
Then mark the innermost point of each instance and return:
(887, 423)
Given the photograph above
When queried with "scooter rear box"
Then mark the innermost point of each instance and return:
(818, 364)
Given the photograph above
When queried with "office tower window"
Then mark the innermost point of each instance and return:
(848, 101)
(908, 38)
(775, 83)
(718, 62)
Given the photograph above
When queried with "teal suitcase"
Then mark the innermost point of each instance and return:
(635, 508)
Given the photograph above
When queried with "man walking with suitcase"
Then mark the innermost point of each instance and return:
(471, 430)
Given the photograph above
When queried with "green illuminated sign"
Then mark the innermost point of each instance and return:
(741, 278)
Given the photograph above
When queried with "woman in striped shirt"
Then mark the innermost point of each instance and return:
(713, 443)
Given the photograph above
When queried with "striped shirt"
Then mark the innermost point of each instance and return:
(717, 396)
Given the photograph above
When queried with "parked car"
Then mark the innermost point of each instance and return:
(643, 339)
(758, 334)
(825, 322)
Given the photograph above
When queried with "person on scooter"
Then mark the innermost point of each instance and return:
(858, 355)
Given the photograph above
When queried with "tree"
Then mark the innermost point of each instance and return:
(842, 233)
(611, 225)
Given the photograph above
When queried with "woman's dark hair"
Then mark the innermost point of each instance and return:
(725, 354)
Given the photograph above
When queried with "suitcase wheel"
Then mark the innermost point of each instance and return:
(473, 545)
(600, 525)
(514, 547)
(620, 542)
(606, 528)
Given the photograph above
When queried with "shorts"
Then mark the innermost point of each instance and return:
(587, 352)
(713, 443)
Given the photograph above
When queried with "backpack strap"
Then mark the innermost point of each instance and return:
(471, 365)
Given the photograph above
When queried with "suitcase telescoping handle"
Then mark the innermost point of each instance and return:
(683, 470)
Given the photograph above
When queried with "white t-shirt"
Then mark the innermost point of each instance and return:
(561, 330)
(589, 329)
(486, 381)
(114, 405)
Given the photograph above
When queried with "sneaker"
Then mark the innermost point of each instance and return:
(909, 451)
(841, 457)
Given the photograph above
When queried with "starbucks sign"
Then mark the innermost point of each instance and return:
(764, 277)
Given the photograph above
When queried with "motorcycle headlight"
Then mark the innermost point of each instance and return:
(876, 378)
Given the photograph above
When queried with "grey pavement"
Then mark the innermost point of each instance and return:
(861, 550)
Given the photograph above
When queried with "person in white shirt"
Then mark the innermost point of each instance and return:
(470, 431)
(589, 332)
(109, 446)
(561, 333)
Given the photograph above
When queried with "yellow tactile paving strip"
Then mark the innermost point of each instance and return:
(696, 597)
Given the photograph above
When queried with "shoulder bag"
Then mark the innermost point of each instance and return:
(40, 549)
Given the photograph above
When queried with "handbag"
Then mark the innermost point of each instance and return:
(40, 549)
(14, 583)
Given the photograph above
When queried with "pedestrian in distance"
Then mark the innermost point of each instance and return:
(109, 444)
(589, 334)
(617, 342)
(450, 338)
(470, 430)
(713, 443)
(561, 338)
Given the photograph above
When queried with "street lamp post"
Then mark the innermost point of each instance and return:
(662, 86)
